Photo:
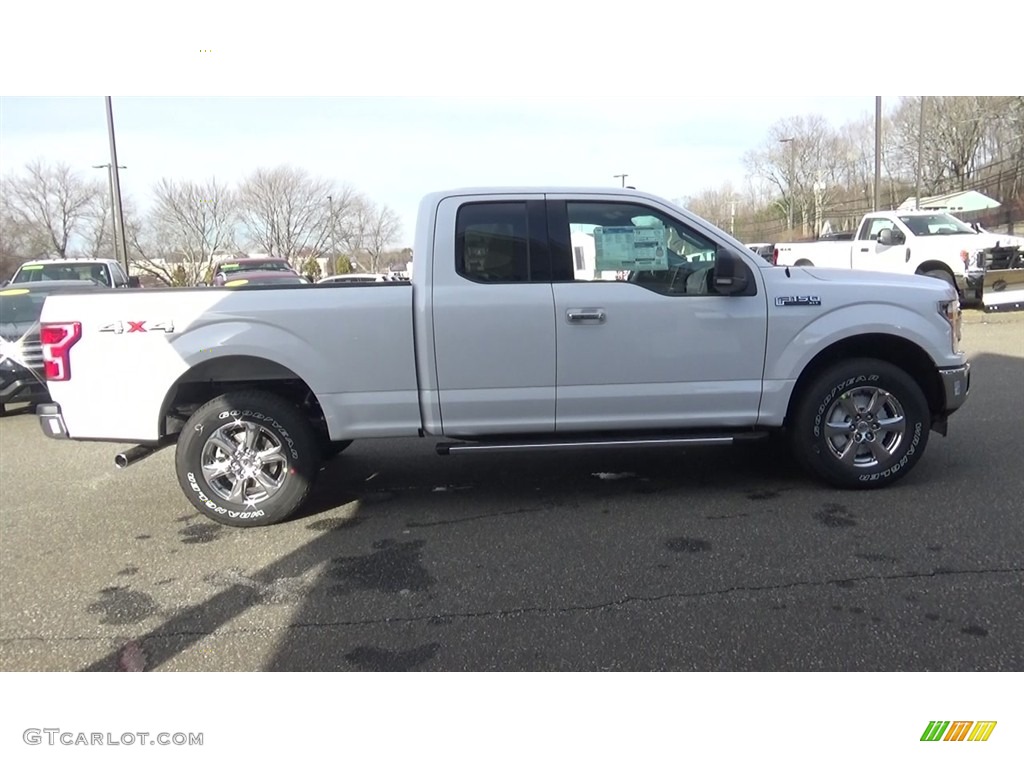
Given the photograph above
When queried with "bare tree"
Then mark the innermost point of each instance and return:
(193, 222)
(19, 240)
(287, 213)
(378, 227)
(56, 202)
(802, 158)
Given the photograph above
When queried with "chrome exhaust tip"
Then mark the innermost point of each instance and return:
(132, 455)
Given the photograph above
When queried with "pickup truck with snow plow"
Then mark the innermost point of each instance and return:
(932, 243)
(667, 332)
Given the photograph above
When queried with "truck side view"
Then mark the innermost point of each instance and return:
(535, 319)
(931, 243)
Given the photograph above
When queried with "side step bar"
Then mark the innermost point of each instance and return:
(563, 444)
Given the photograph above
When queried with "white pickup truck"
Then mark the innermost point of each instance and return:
(932, 243)
(678, 335)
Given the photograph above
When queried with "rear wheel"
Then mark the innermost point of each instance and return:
(247, 459)
(861, 424)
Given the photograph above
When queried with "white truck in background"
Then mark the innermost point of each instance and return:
(932, 243)
(679, 336)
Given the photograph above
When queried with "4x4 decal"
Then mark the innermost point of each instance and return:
(138, 326)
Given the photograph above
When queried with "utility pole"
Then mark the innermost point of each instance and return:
(622, 176)
(878, 150)
(920, 157)
(790, 181)
(116, 184)
(732, 217)
(113, 211)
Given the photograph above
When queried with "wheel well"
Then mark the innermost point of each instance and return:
(232, 373)
(804, 263)
(893, 349)
(931, 266)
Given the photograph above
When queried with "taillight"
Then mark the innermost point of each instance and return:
(57, 340)
(964, 256)
(775, 257)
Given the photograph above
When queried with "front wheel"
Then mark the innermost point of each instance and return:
(861, 424)
(247, 459)
(941, 274)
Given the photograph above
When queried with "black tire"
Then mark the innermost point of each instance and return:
(803, 263)
(289, 473)
(941, 274)
(835, 396)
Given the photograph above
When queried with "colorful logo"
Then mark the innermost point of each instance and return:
(958, 730)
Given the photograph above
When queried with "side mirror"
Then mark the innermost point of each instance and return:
(133, 282)
(885, 237)
(730, 274)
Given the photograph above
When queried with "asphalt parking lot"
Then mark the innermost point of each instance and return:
(677, 559)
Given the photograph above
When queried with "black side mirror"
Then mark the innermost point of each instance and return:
(133, 282)
(730, 276)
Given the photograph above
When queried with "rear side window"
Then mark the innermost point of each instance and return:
(492, 242)
(19, 309)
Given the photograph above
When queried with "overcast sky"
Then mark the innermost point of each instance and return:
(574, 101)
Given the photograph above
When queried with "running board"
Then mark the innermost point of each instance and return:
(513, 446)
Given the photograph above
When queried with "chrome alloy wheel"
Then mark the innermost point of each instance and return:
(244, 463)
(865, 427)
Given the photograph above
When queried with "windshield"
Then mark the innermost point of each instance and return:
(249, 266)
(266, 281)
(936, 224)
(62, 270)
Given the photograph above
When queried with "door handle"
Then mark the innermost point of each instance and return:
(863, 250)
(582, 315)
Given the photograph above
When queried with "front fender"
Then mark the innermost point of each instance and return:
(794, 341)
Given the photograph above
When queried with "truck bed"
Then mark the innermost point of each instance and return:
(352, 344)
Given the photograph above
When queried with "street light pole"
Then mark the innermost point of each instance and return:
(116, 182)
(113, 210)
(622, 176)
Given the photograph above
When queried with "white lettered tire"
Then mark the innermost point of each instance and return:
(862, 423)
(247, 459)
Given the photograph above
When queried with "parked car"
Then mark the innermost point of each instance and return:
(357, 277)
(231, 269)
(105, 272)
(21, 356)
(276, 277)
(495, 346)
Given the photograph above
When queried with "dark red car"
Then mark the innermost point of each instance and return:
(235, 269)
(252, 277)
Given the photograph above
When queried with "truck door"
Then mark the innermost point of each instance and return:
(644, 341)
(870, 254)
(493, 317)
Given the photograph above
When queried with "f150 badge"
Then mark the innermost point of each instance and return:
(137, 326)
(797, 301)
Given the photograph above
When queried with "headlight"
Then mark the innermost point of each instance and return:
(951, 311)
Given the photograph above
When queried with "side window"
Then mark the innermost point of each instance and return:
(492, 242)
(119, 279)
(619, 241)
(876, 226)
